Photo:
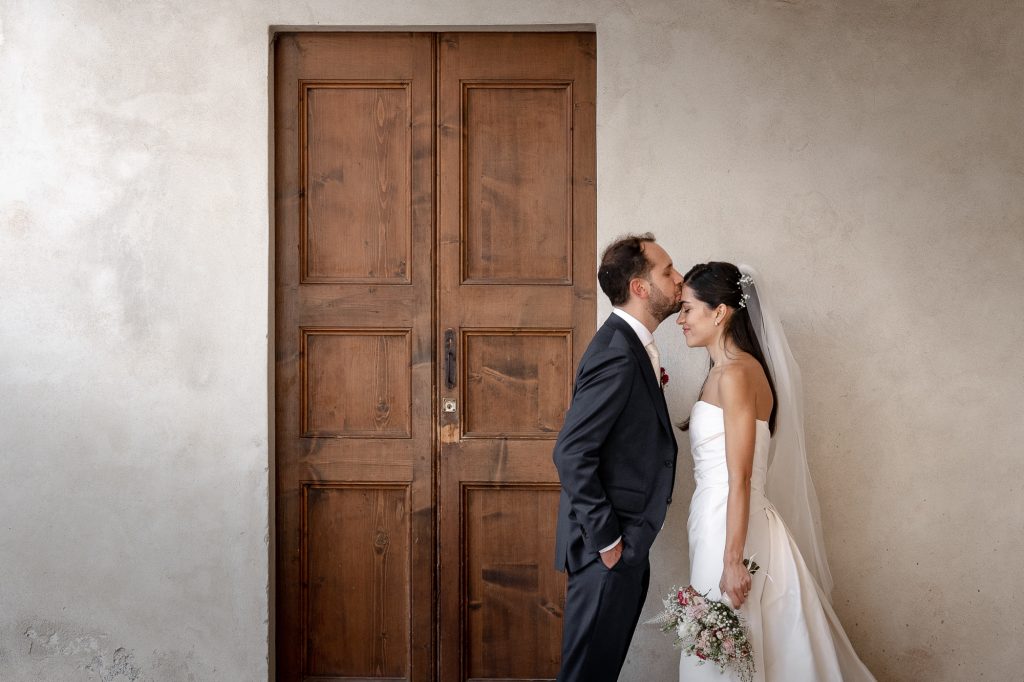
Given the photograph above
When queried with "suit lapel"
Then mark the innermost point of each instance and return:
(657, 395)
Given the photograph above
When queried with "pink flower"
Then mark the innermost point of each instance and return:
(729, 646)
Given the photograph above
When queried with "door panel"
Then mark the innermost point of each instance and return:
(356, 383)
(363, 565)
(517, 178)
(516, 288)
(509, 609)
(357, 176)
(354, 134)
(516, 383)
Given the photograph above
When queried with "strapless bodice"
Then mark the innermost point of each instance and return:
(707, 444)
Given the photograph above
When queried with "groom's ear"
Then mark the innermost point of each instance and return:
(638, 288)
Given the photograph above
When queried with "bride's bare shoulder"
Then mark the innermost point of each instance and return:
(743, 371)
(736, 383)
(742, 382)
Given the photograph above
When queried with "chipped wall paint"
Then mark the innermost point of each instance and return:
(867, 154)
(56, 652)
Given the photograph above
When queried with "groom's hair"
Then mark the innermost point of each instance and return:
(622, 261)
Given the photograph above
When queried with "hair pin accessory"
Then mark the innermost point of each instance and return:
(745, 281)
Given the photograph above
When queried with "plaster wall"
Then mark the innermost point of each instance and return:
(866, 155)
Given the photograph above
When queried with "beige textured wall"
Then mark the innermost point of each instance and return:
(867, 154)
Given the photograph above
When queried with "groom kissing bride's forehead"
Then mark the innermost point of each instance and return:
(616, 461)
(638, 275)
(616, 458)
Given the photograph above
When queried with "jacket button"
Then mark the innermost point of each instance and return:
(668, 501)
(668, 463)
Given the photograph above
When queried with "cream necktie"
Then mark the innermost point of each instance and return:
(652, 351)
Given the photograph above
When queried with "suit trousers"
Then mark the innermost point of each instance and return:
(602, 607)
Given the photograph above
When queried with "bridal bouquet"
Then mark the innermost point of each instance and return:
(708, 629)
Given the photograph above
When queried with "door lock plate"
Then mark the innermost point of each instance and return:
(448, 405)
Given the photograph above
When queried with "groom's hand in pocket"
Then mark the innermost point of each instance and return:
(611, 556)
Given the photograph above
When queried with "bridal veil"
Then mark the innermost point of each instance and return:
(788, 484)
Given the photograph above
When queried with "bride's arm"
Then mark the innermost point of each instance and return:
(738, 405)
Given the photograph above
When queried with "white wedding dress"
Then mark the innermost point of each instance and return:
(795, 634)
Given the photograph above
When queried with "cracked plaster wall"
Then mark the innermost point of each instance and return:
(867, 154)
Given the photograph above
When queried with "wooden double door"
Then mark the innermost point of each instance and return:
(434, 289)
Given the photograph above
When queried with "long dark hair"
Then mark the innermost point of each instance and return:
(716, 283)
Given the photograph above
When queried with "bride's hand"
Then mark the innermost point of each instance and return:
(735, 583)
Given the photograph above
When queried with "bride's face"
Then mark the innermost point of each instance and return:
(697, 319)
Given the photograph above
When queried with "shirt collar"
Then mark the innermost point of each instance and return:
(642, 332)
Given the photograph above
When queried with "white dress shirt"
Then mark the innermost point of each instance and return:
(644, 334)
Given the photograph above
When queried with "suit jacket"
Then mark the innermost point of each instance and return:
(616, 453)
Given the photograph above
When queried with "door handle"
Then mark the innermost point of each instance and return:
(449, 358)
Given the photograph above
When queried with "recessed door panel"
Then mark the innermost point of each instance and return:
(518, 182)
(355, 568)
(357, 206)
(512, 603)
(356, 383)
(516, 383)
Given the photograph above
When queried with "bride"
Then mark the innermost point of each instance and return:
(747, 440)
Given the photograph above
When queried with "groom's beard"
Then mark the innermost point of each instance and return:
(661, 306)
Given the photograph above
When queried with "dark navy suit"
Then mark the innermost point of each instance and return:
(616, 457)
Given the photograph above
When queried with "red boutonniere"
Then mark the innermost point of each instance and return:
(664, 376)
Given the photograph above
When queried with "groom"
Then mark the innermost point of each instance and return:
(616, 456)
